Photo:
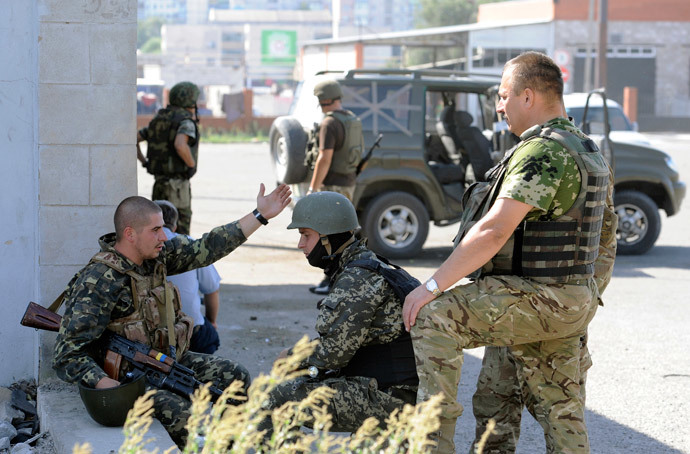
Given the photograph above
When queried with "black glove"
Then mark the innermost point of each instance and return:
(191, 171)
(147, 166)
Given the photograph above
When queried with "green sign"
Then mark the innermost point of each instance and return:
(278, 47)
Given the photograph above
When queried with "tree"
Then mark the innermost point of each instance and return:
(442, 13)
(147, 29)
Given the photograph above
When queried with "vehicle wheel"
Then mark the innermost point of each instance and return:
(639, 222)
(288, 143)
(396, 224)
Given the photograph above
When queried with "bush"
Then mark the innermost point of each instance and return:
(235, 429)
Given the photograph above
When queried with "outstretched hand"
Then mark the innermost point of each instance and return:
(272, 204)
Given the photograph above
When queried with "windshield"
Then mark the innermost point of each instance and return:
(595, 116)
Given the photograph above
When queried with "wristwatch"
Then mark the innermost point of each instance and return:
(313, 371)
(432, 286)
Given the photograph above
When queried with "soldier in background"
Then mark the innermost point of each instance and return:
(364, 352)
(533, 234)
(173, 150)
(339, 149)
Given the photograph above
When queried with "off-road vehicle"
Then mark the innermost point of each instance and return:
(440, 132)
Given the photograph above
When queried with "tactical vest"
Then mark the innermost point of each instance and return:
(557, 251)
(161, 153)
(157, 308)
(346, 158)
(392, 363)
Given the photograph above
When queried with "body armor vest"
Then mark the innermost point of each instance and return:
(392, 363)
(157, 308)
(346, 158)
(549, 251)
(161, 153)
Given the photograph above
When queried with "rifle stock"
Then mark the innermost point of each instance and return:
(37, 316)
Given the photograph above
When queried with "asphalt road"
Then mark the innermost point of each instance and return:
(638, 389)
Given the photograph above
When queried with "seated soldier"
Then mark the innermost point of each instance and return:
(123, 289)
(364, 352)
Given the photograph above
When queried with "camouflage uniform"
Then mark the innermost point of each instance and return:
(502, 393)
(542, 324)
(99, 294)
(361, 310)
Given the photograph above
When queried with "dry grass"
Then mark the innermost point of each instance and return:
(236, 428)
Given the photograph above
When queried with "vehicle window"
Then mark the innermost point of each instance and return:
(382, 107)
(595, 117)
(305, 106)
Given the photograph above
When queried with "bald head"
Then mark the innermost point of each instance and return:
(538, 72)
(134, 212)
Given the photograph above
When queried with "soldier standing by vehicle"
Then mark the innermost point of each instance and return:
(124, 289)
(364, 352)
(173, 150)
(340, 145)
(533, 233)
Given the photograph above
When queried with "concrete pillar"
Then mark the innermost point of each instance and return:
(69, 105)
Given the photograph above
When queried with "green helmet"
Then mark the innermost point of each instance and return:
(328, 89)
(325, 212)
(183, 94)
(109, 406)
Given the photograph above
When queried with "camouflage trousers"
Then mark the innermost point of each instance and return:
(178, 192)
(542, 324)
(173, 410)
(506, 385)
(347, 191)
(356, 399)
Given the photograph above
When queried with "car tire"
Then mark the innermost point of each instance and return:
(288, 142)
(639, 222)
(396, 224)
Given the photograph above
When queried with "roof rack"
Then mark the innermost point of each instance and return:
(415, 73)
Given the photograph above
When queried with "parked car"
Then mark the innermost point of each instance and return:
(440, 133)
(647, 179)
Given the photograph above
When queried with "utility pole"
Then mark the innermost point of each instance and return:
(587, 85)
(603, 44)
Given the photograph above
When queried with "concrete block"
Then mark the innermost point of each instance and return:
(64, 175)
(88, 11)
(88, 114)
(62, 413)
(113, 174)
(63, 53)
(54, 279)
(113, 54)
(69, 235)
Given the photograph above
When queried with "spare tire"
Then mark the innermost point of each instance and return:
(288, 142)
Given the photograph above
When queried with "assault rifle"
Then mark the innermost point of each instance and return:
(161, 371)
(366, 157)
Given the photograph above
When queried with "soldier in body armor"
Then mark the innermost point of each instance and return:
(529, 239)
(364, 352)
(124, 289)
(337, 151)
(173, 150)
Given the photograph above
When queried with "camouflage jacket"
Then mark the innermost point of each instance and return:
(360, 310)
(98, 294)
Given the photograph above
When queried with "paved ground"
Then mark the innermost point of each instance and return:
(638, 388)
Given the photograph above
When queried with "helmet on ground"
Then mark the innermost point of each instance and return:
(183, 94)
(325, 212)
(109, 406)
(328, 89)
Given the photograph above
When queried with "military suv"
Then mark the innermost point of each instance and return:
(439, 133)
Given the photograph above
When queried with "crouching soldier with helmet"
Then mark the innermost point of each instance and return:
(364, 352)
(173, 151)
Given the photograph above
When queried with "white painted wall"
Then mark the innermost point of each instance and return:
(68, 116)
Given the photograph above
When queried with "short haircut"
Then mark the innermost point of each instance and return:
(170, 214)
(134, 212)
(539, 72)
